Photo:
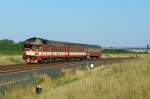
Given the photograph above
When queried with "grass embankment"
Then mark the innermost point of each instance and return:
(127, 80)
(11, 59)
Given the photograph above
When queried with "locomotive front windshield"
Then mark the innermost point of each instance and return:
(27, 46)
(32, 47)
(35, 47)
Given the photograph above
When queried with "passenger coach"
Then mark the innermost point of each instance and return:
(40, 50)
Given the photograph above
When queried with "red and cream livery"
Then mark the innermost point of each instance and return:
(41, 50)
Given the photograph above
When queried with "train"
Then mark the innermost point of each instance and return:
(39, 50)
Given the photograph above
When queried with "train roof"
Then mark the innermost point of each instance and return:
(40, 41)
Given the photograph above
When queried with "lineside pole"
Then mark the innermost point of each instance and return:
(147, 48)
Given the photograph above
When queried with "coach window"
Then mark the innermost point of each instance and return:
(62, 49)
(54, 49)
(49, 48)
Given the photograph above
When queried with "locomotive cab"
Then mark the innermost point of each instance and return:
(32, 48)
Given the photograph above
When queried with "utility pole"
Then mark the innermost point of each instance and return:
(147, 48)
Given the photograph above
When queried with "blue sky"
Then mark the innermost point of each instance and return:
(103, 22)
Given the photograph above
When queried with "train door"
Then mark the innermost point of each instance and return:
(66, 50)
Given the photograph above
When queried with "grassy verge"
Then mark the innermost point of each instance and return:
(11, 59)
(127, 80)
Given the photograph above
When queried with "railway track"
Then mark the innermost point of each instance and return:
(11, 69)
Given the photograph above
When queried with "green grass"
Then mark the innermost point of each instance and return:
(11, 59)
(127, 80)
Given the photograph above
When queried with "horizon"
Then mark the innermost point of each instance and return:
(114, 47)
(106, 23)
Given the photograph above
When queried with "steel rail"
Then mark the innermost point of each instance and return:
(5, 67)
(32, 68)
(9, 69)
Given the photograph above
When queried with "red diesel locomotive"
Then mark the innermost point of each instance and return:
(37, 50)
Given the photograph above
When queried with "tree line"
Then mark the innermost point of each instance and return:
(10, 47)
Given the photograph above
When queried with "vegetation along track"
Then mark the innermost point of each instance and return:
(10, 69)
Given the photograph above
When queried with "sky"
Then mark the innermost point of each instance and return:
(119, 23)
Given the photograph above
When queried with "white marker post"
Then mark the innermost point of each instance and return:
(92, 65)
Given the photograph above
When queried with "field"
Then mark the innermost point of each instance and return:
(127, 80)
